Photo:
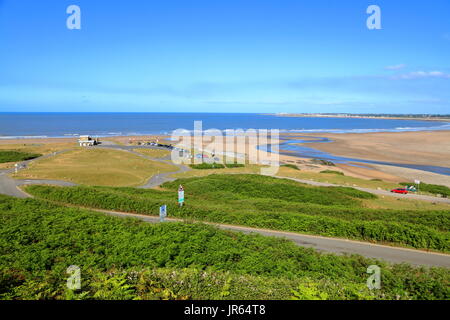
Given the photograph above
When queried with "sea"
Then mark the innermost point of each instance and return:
(48, 125)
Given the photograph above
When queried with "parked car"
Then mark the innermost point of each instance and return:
(400, 190)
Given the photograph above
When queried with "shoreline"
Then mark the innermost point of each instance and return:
(350, 116)
(415, 147)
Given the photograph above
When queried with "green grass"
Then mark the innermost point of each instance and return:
(430, 188)
(266, 202)
(16, 156)
(207, 166)
(129, 259)
(101, 167)
(289, 165)
(333, 172)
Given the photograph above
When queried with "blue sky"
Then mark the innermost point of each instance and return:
(225, 56)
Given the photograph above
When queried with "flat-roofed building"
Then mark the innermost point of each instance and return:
(87, 141)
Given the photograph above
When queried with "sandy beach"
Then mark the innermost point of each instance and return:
(423, 148)
(420, 147)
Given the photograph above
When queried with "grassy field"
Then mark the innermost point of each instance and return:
(129, 259)
(41, 148)
(102, 167)
(154, 153)
(384, 202)
(277, 204)
(335, 179)
(32, 148)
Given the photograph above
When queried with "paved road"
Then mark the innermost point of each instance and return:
(8, 186)
(331, 245)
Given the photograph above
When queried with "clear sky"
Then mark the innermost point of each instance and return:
(225, 56)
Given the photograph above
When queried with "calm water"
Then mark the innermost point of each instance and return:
(110, 124)
(291, 148)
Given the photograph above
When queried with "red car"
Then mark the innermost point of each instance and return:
(400, 190)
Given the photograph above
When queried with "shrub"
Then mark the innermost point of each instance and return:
(205, 165)
(16, 156)
(292, 166)
(332, 172)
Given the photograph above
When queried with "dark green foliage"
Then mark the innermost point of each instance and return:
(205, 165)
(333, 172)
(127, 258)
(431, 188)
(323, 162)
(266, 202)
(289, 165)
(16, 156)
(234, 165)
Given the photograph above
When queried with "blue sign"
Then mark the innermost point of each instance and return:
(162, 213)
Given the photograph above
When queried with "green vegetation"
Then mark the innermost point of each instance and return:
(205, 165)
(288, 165)
(333, 172)
(234, 165)
(266, 202)
(323, 162)
(336, 179)
(430, 188)
(16, 156)
(129, 259)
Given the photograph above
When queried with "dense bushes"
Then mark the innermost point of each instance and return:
(258, 186)
(333, 172)
(204, 165)
(126, 258)
(289, 165)
(266, 202)
(16, 156)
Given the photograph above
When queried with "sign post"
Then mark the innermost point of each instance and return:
(162, 213)
(180, 196)
(418, 183)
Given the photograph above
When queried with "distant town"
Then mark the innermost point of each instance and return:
(432, 117)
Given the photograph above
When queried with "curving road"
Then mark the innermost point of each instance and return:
(9, 186)
(325, 244)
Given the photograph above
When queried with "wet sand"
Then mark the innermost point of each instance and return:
(420, 148)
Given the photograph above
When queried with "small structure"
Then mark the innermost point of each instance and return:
(87, 141)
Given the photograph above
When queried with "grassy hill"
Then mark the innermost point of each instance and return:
(266, 202)
(96, 167)
(129, 259)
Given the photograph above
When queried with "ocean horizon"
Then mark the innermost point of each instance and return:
(14, 125)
